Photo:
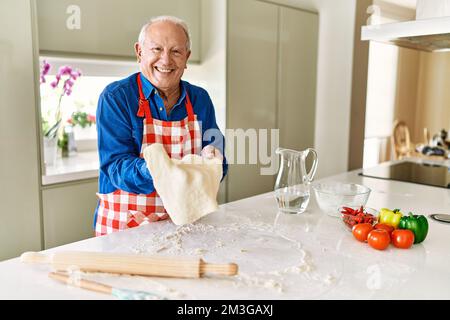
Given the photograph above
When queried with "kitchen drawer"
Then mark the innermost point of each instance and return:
(68, 211)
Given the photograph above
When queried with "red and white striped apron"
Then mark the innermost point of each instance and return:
(120, 209)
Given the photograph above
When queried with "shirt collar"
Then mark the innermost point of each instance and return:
(149, 89)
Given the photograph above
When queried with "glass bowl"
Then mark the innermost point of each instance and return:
(370, 215)
(330, 196)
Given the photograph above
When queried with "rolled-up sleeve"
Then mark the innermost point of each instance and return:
(118, 152)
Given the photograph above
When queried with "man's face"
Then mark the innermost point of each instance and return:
(164, 55)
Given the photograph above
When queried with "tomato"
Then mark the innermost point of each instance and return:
(403, 239)
(361, 231)
(384, 226)
(379, 239)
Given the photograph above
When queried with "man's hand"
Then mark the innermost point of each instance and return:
(210, 152)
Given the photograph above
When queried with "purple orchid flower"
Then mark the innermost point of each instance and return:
(75, 74)
(71, 76)
(44, 71)
(69, 82)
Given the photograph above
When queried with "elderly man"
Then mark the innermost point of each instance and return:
(152, 106)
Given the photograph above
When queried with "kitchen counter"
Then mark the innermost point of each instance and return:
(83, 165)
(280, 256)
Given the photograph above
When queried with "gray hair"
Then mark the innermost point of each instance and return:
(172, 19)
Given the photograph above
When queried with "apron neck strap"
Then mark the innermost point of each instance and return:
(144, 106)
(189, 108)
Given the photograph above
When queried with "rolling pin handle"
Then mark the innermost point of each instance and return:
(35, 257)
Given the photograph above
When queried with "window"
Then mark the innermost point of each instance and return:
(81, 157)
(81, 104)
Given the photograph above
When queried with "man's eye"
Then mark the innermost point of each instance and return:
(156, 49)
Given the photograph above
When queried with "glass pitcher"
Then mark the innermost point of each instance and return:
(292, 187)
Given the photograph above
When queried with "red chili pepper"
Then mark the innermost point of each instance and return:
(349, 210)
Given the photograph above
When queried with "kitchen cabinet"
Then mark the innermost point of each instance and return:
(298, 36)
(251, 86)
(20, 218)
(33, 216)
(107, 28)
(271, 82)
(68, 212)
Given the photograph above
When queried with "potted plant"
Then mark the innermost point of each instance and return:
(82, 123)
(81, 126)
(52, 128)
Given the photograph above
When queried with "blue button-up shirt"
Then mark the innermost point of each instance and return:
(120, 131)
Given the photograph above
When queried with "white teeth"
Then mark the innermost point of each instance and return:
(163, 70)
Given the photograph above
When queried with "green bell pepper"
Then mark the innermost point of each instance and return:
(417, 224)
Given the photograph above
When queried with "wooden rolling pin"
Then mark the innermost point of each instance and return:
(130, 264)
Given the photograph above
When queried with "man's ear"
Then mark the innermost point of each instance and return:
(187, 58)
(138, 51)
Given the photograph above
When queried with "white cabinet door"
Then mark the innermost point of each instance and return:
(69, 212)
(107, 27)
(298, 40)
(272, 59)
(251, 86)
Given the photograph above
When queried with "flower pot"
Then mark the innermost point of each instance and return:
(67, 142)
(50, 150)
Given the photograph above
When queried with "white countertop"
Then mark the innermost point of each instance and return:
(280, 256)
(83, 165)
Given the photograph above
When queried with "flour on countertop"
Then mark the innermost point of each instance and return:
(200, 251)
(245, 280)
(330, 279)
(219, 244)
(173, 241)
(182, 240)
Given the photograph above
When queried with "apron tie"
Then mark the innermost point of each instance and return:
(144, 109)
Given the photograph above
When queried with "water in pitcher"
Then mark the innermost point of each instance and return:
(292, 200)
(293, 180)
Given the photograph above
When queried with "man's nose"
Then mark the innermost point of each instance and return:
(165, 57)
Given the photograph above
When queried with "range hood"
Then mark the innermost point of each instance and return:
(429, 32)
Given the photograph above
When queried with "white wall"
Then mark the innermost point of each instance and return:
(433, 95)
(381, 89)
(391, 88)
(381, 100)
(334, 80)
(391, 95)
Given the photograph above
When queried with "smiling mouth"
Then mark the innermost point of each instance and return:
(164, 70)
